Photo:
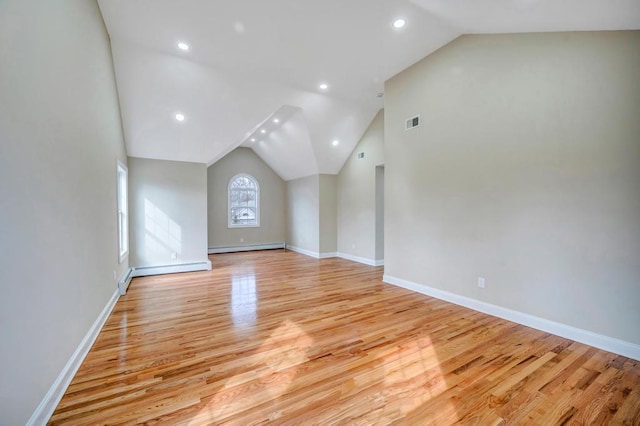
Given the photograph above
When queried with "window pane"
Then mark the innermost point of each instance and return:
(243, 215)
(243, 201)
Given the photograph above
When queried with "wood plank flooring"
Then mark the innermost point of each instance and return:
(279, 337)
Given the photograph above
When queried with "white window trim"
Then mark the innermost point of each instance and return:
(229, 222)
(122, 212)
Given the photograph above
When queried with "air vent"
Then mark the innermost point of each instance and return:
(360, 155)
(412, 122)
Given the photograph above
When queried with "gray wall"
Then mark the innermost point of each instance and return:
(328, 215)
(303, 213)
(524, 171)
(357, 194)
(312, 214)
(379, 213)
(272, 201)
(60, 139)
(168, 212)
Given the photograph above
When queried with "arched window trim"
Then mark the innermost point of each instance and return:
(229, 207)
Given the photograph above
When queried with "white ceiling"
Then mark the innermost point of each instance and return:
(251, 61)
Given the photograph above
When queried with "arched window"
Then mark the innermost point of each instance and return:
(244, 201)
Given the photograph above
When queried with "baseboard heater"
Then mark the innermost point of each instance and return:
(123, 284)
(253, 247)
(145, 271)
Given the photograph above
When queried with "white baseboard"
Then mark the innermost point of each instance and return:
(328, 255)
(144, 271)
(306, 252)
(123, 284)
(216, 250)
(47, 406)
(359, 259)
(310, 253)
(620, 347)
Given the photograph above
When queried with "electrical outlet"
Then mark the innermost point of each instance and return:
(353, 246)
(115, 277)
(480, 282)
(242, 240)
(174, 256)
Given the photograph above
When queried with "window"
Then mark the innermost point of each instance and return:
(244, 201)
(123, 213)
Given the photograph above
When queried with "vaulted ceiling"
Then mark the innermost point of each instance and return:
(252, 73)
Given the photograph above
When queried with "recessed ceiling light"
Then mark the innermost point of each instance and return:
(335, 142)
(263, 131)
(180, 117)
(323, 86)
(399, 23)
(253, 139)
(183, 46)
(276, 120)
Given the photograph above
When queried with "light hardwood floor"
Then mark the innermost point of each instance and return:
(278, 336)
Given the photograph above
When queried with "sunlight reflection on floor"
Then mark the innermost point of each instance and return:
(424, 378)
(280, 355)
(244, 299)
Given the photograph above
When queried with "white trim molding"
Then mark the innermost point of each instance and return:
(233, 249)
(617, 346)
(47, 406)
(359, 259)
(144, 271)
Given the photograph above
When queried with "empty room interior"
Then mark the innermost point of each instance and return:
(320, 212)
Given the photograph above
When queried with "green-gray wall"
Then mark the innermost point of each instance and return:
(357, 195)
(272, 201)
(524, 171)
(168, 212)
(312, 223)
(303, 213)
(60, 139)
(328, 215)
